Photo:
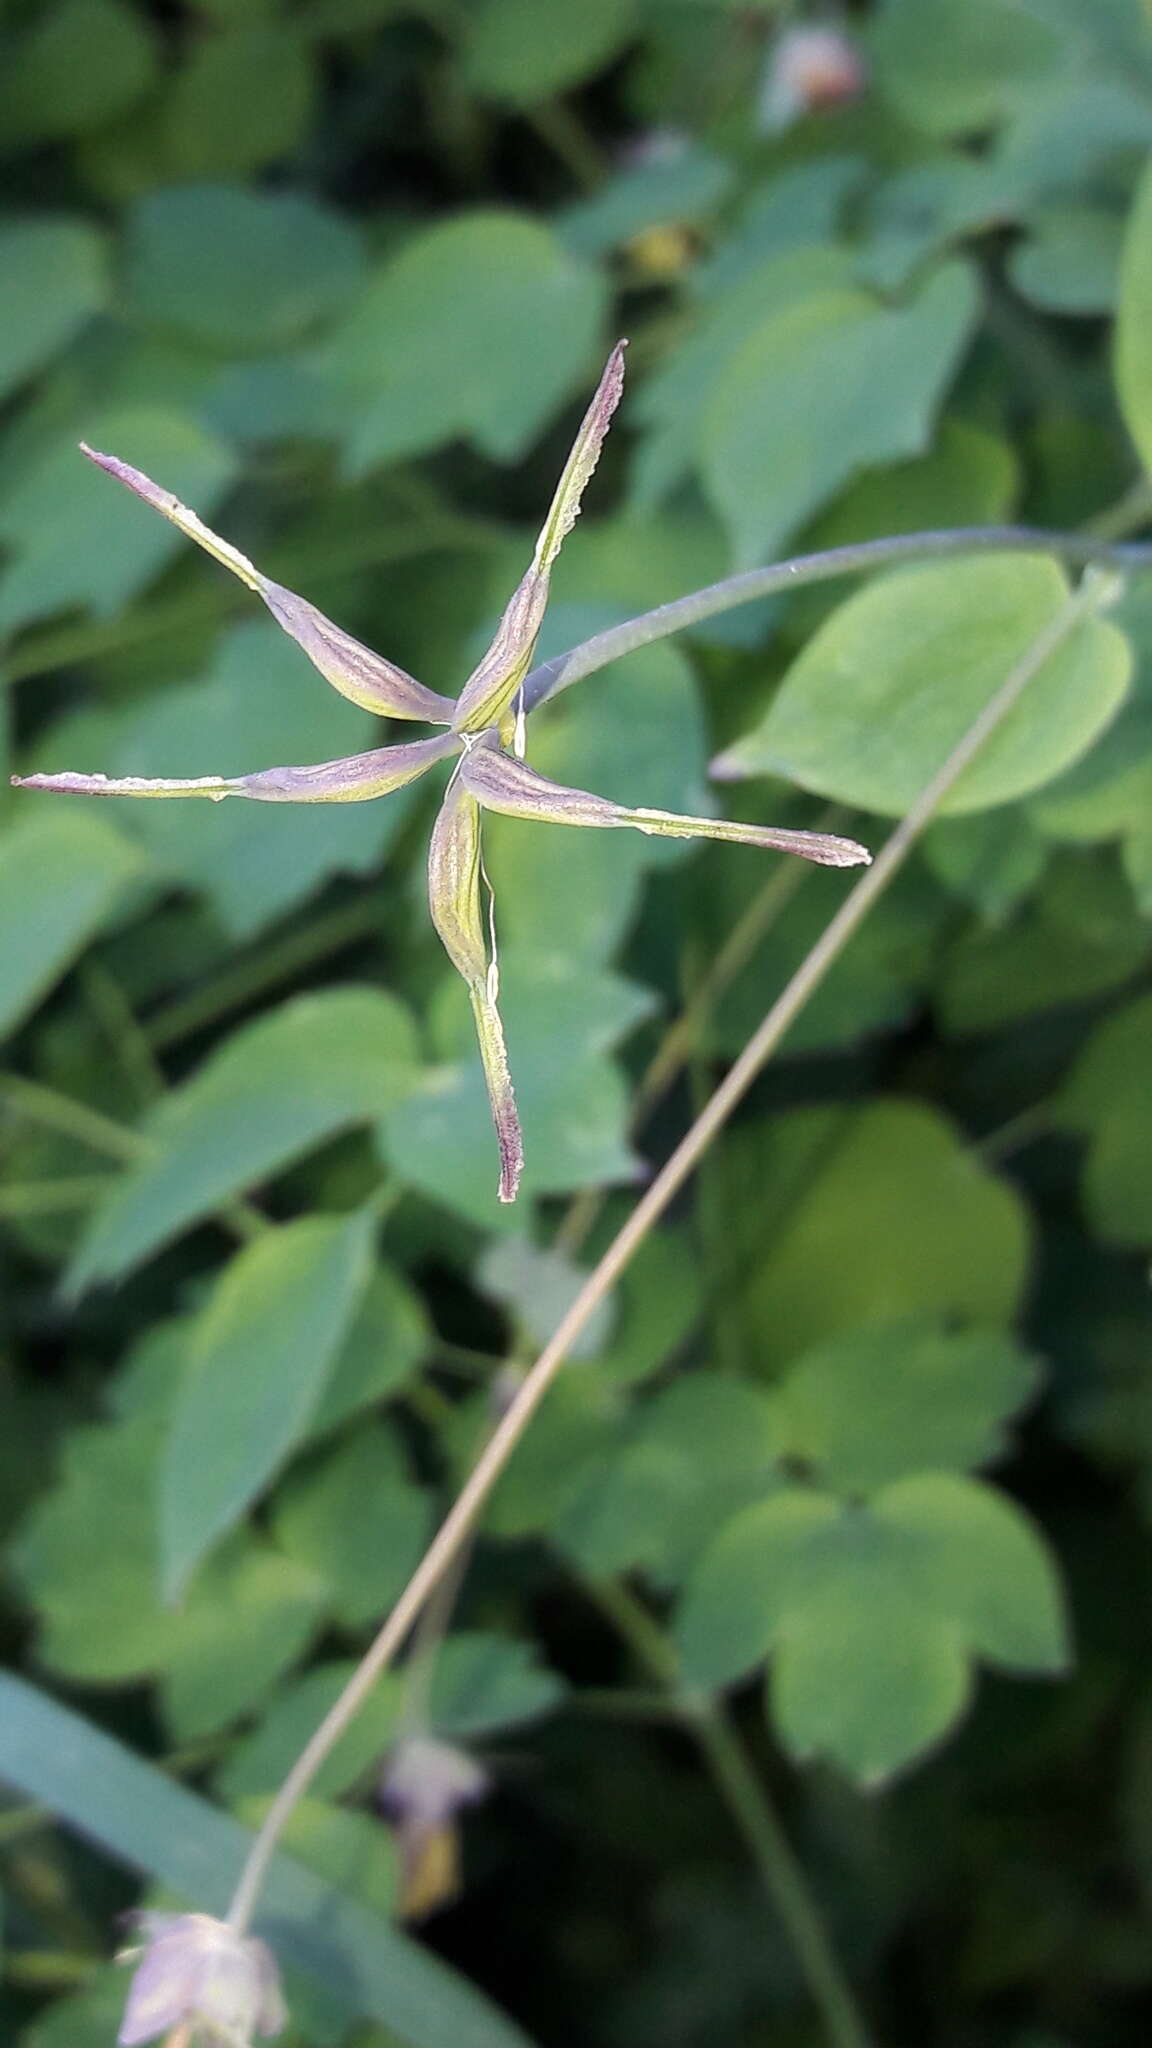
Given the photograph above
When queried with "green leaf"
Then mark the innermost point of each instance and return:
(242, 99)
(1108, 1097)
(822, 389)
(690, 1456)
(239, 270)
(354, 1519)
(257, 1360)
(887, 687)
(60, 877)
(484, 1683)
(256, 1765)
(388, 1338)
(872, 1614)
(1079, 936)
(877, 1404)
(247, 1619)
(99, 1606)
(516, 53)
(128, 1808)
(1133, 335)
(481, 326)
(1070, 262)
(75, 539)
(275, 1089)
(56, 279)
(81, 64)
(888, 1199)
(953, 70)
(538, 1285)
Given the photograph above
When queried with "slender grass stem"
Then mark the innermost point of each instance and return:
(456, 1528)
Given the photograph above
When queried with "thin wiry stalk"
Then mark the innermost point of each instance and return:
(465, 1512)
(550, 677)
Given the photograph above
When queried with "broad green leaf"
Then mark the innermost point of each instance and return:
(1070, 262)
(561, 1019)
(657, 1303)
(567, 1447)
(871, 1700)
(538, 1286)
(875, 984)
(518, 53)
(691, 1455)
(821, 390)
(891, 682)
(259, 703)
(56, 279)
(991, 859)
(872, 1614)
(879, 1403)
(1077, 937)
(884, 1196)
(247, 1619)
(673, 402)
(76, 539)
(60, 876)
(80, 65)
(955, 69)
(480, 326)
(128, 1808)
(275, 1089)
(353, 1517)
(255, 1766)
(684, 186)
(242, 99)
(257, 1360)
(1133, 339)
(237, 269)
(99, 1607)
(1108, 1097)
(388, 1337)
(484, 1683)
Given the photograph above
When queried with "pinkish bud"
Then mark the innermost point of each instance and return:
(196, 1972)
(810, 69)
(425, 1785)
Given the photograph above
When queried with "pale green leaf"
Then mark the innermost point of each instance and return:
(1133, 337)
(884, 1197)
(822, 389)
(275, 1089)
(354, 1519)
(914, 1397)
(891, 682)
(257, 1359)
(486, 1682)
(55, 280)
(75, 538)
(240, 270)
(79, 65)
(481, 326)
(954, 70)
(61, 875)
(517, 52)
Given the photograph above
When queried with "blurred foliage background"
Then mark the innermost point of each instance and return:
(874, 1410)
